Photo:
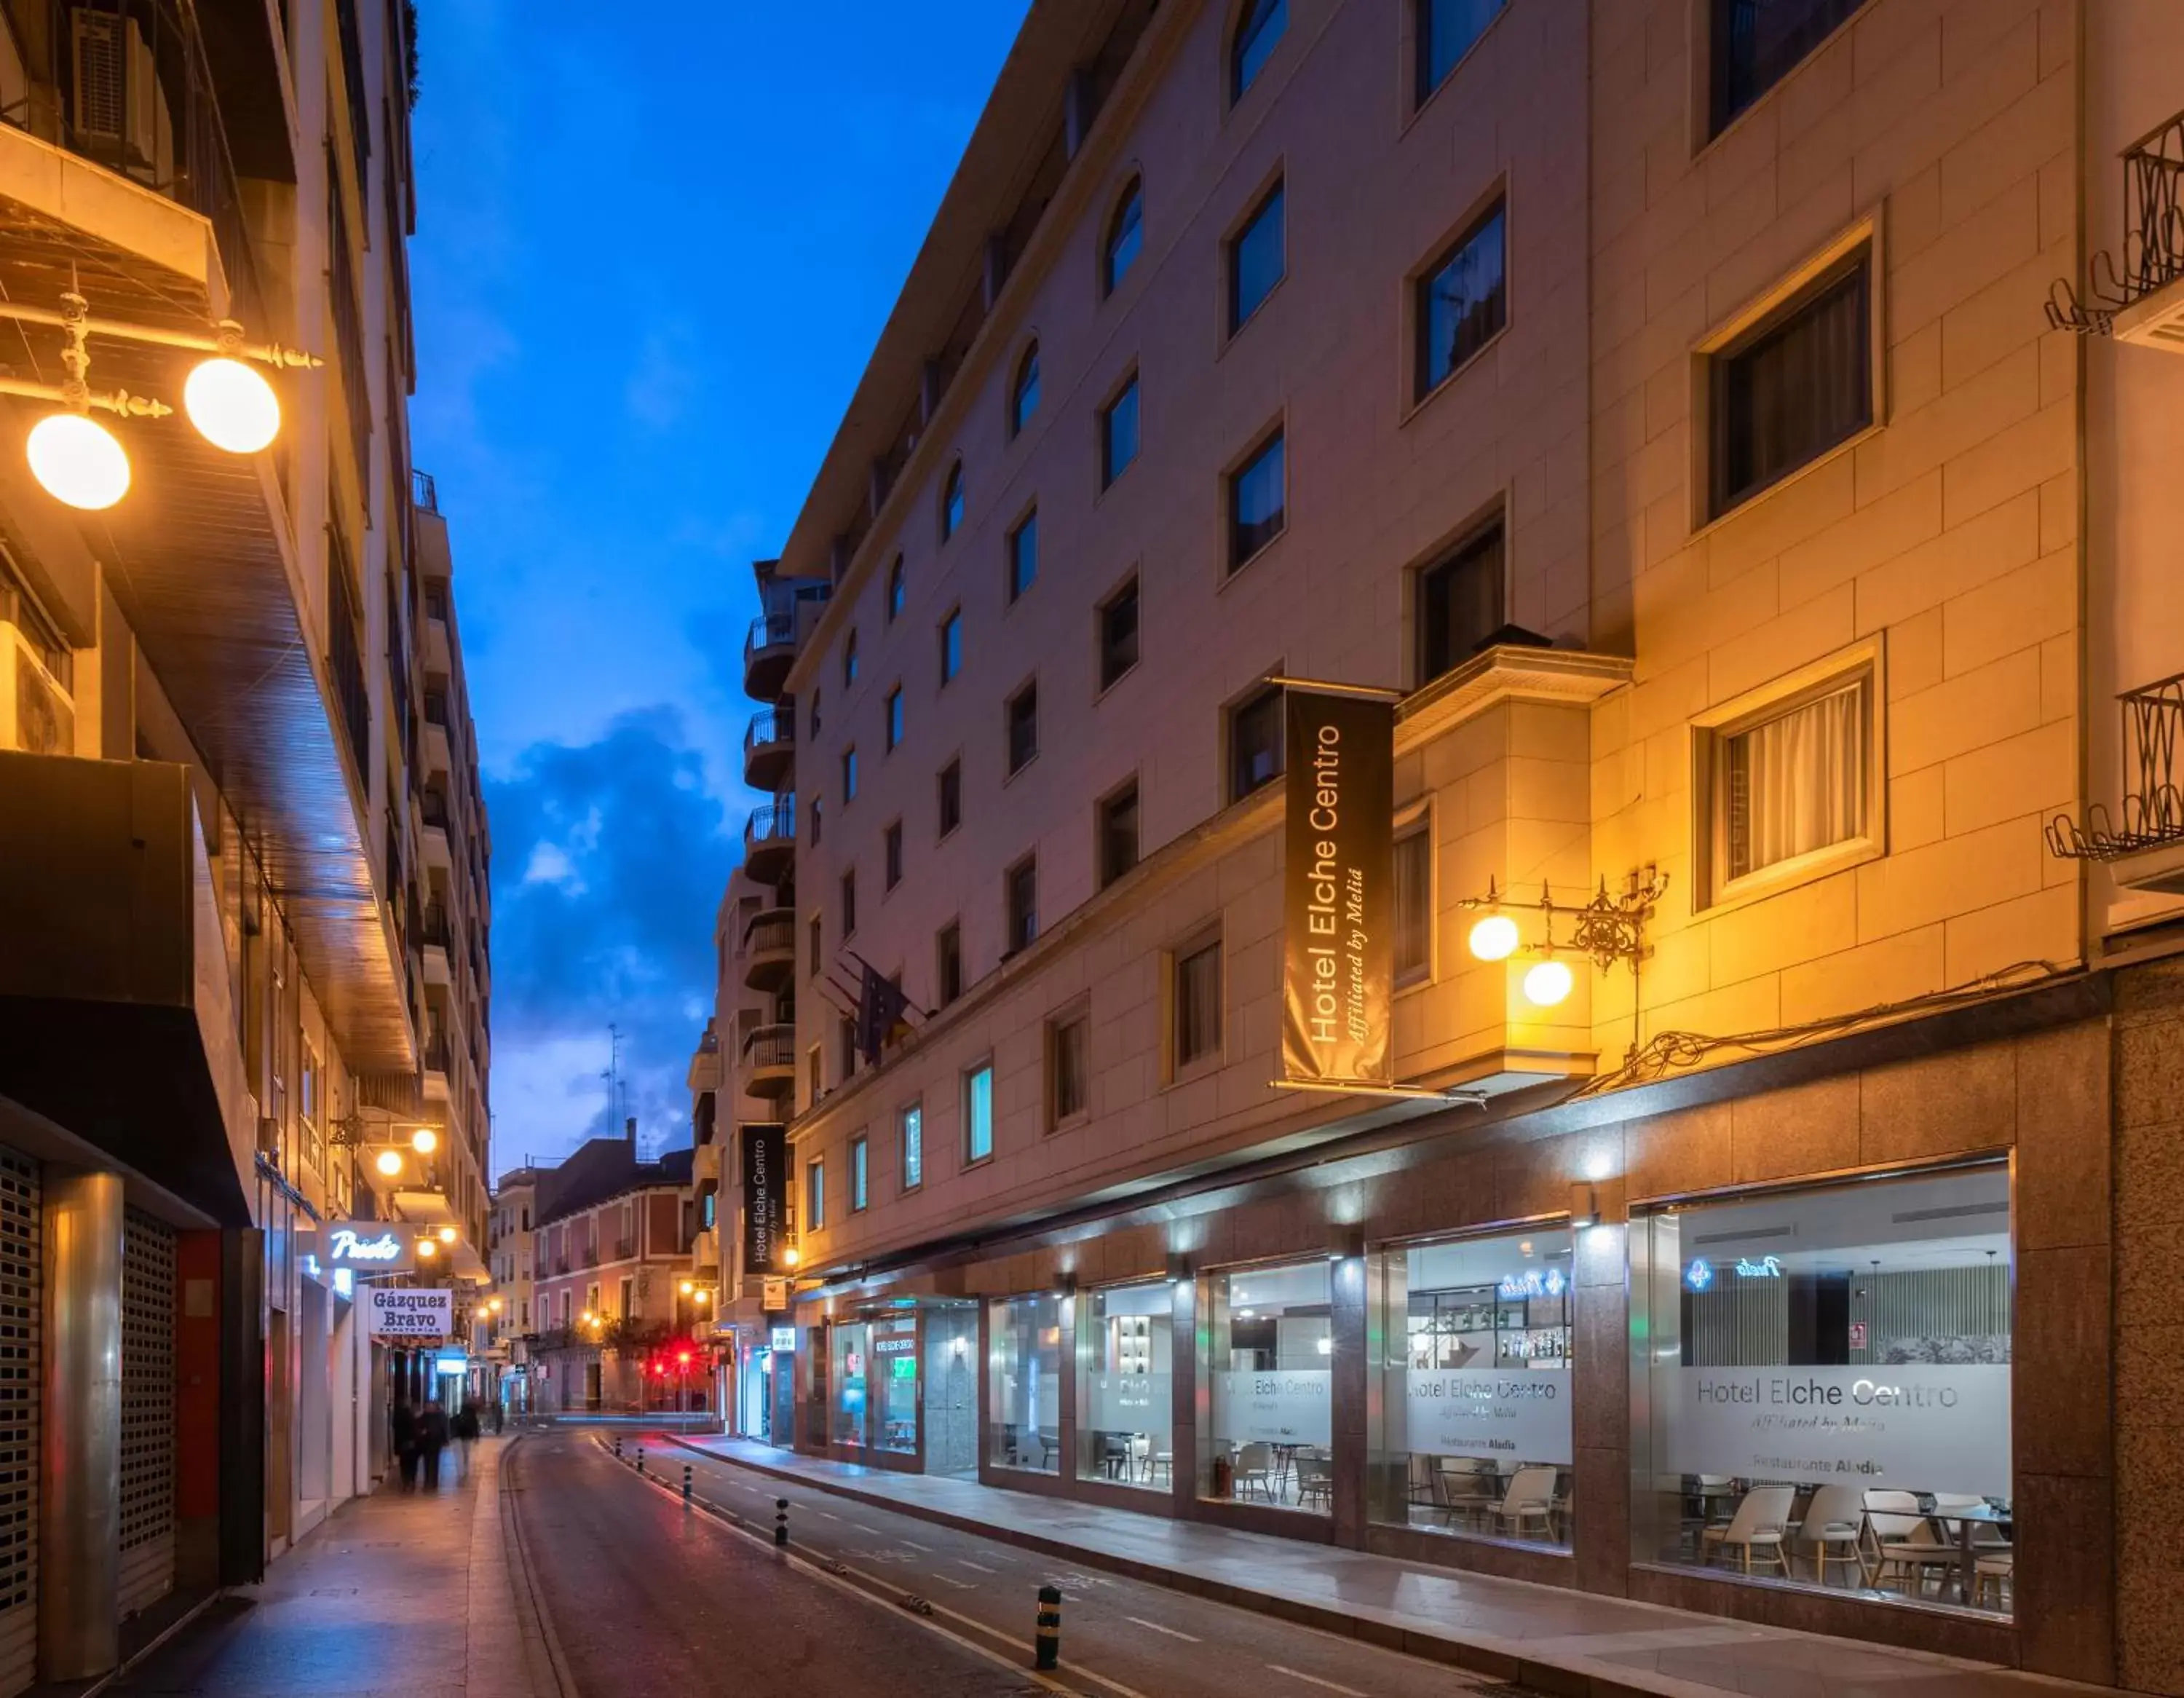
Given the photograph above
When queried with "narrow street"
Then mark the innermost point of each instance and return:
(647, 1596)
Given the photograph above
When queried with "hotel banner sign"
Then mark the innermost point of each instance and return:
(765, 1197)
(1339, 895)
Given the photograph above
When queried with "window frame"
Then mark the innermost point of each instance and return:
(1133, 588)
(1417, 821)
(1424, 87)
(1274, 435)
(849, 660)
(1073, 1016)
(1027, 525)
(1710, 120)
(1110, 473)
(1864, 663)
(860, 1173)
(848, 774)
(1026, 691)
(1234, 318)
(814, 1193)
(1444, 556)
(1027, 365)
(954, 500)
(898, 589)
(1102, 812)
(1232, 711)
(1132, 193)
(950, 622)
(972, 1156)
(1861, 245)
(847, 885)
(947, 944)
(1492, 204)
(1236, 82)
(1024, 864)
(891, 852)
(1174, 1069)
(893, 720)
(951, 767)
(910, 1151)
(815, 937)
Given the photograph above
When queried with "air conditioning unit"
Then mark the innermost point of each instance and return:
(37, 714)
(120, 107)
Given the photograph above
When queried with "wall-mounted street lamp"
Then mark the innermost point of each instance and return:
(1609, 928)
(78, 460)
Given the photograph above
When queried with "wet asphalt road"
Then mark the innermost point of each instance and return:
(647, 1596)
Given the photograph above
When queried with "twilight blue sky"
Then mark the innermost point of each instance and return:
(648, 266)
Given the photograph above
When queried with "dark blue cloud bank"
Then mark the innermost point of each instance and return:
(609, 860)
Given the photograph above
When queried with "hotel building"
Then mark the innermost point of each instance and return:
(1716, 423)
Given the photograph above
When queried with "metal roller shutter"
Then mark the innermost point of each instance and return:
(22, 1318)
(148, 1412)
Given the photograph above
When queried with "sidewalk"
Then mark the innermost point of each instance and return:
(417, 1593)
(1569, 1643)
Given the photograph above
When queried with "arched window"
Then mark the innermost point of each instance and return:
(1257, 29)
(1024, 394)
(952, 502)
(1126, 235)
(898, 591)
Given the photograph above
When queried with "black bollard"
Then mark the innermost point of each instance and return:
(686, 1483)
(781, 1521)
(617, 1446)
(640, 1458)
(1046, 1646)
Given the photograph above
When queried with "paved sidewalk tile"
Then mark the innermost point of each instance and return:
(400, 1593)
(1611, 1643)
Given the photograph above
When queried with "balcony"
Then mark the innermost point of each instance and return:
(770, 1062)
(2140, 297)
(434, 935)
(770, 748)
(770, 949)
(2142, 840)
(770, 840)
(433, 813)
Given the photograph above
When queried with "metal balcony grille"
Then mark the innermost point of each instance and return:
(2150, 814)
(2153, 254)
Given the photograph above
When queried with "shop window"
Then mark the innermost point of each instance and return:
(1268, 1369)
(1024, 1384)
(1126, 1387)
(849, 1345)
(1829, 1400)
(1474, 1434)
(894, 1371)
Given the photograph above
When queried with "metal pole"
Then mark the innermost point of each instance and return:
(1046, 1645)
(686, 1483)
(80, 1494)
(781, 1521)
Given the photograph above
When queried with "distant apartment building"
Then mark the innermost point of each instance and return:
(512, 1258)
(243, 932)
(1663, 400)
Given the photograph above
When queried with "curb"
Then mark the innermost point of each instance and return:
(532, 1618)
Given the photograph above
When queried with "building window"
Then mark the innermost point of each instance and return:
(1022, 881)
(948, 963)
(1827, 1377)
(1257, 510)
(815, 1073)
(816, 940)
(898, 591)
(978, 1112)
(848, 776)
(1475, 1387)
(1023, 727)
(1753, 44)
(1258, 30)
(815, 1194)
(1126, 235)
(1125, 1386)
(845, 1042)
(893, 738)
(1414, 902)
(816, 821)
(1266, 1363)
(1068, 1059)
(1255, 742)
(1787, 784)
(952, 502)
(951, 646)
(951, 796)
(891, 853)
(1447, 29)
(1118, 834)
(1023, 555)
(1461, 303)
(860, 1174)
(1023, 1393)
(1023, 393)
(1792, 387)
(1195, 1034)
(1118, 634)
(849, 906)
(1256, 259)
(1460, 602)
(850, 659)
(912, 1128)
(1119, 432)
(814, 712)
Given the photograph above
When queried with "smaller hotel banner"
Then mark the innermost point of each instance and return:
(1339, 890)
(765, 1197)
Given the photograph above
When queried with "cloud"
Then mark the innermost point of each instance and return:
(614, 854)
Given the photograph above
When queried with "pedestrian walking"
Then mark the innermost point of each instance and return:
(465, 1426)
(405, 1443)
(432, 1440)
(498, 1414)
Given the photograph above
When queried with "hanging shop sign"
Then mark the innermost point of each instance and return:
(405, 1313)
(765, 1197)
(773, 1296)
(782, 1338)
(1339, 890)
(1920, 1427)
(1522, 1415)
(370, 1247)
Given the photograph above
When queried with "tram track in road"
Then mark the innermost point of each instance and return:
(1120, 1636)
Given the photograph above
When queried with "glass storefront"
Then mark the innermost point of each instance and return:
(1269, 1372)
(1023, 1390)
(895, 1375)
(850, 1347)
(1826, 1401)
(1476, 1388)
(1126, 1387)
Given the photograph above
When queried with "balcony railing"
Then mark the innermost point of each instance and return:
(769, 931)
(424, 492)
(2153, 254)
(434, 806)
(436, 708)
(770, 819)
(2151, 815)
(769, 725)
(769, 631)
(625, 1249)
(434, 931)
(436, 1054)
(769, 1047)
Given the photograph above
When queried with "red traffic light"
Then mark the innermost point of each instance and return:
(659, 1367)
(683, 1358)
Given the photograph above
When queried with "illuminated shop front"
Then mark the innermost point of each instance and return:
(897, 1383)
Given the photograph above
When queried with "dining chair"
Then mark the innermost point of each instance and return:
(1834, 1529)
(1904, 1539)
(1527, 1502)
(1315, 1481)
(1762, 1516)
(1255, 1462)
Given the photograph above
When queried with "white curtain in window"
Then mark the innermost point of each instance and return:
(1796, 784)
